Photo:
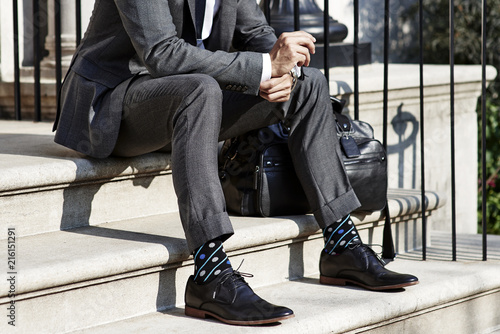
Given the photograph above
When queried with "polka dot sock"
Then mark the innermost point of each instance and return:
(339, 235)
(209, 261)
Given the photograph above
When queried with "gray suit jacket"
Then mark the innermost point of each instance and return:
(128, 37)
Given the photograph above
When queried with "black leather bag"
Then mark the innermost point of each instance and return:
(365, 162)
(258, 177)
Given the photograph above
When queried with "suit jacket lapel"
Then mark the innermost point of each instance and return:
(223, 27)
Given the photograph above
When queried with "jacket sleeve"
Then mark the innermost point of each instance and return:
(153, 34)
(252, 32)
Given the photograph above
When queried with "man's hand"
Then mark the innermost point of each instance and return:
(291, 48)
(277, 89)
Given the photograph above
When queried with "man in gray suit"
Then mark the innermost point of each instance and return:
(180, 76)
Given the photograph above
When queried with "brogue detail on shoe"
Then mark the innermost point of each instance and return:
(358, 264)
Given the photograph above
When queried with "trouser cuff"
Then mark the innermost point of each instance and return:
(337, 209)
(216, 226)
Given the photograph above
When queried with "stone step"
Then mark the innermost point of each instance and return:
(99, 274)
(45, 187)
(452, 298)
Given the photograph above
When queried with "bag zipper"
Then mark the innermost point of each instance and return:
(365, 161)
(256, 177)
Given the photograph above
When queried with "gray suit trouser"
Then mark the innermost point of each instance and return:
(189, 114)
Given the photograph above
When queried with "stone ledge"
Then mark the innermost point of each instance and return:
(403, 76)
(32, 161)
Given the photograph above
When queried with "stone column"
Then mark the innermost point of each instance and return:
(7, 42)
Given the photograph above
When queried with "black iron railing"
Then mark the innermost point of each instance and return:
(37, 50)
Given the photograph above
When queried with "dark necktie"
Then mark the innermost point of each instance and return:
(199, 16)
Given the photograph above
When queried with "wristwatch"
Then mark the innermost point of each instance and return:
(295, 74)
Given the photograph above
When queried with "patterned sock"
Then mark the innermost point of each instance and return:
(339, 235)
(209, 261)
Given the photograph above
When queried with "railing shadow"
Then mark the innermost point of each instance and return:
(400, 124)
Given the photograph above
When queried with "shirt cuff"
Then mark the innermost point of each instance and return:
(266, 67)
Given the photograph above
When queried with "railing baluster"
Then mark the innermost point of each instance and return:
(452, 131)
(57, 26)
(386, 71)
(422, 128)
(483, 125)
(37, 60)
(296, 15)
(356, 59)
(78, 18)
(17, 81)
(326, 38)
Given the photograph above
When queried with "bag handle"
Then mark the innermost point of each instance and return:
(343, 122)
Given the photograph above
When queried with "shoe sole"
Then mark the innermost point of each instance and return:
(342, 282)
(197, 313)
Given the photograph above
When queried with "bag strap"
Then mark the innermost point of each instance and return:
(337, 104)
(343, 122)
(228, 155)
(388, 252)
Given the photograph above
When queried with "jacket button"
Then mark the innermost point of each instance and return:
(229, 87)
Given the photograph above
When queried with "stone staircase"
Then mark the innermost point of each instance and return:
(99, 248)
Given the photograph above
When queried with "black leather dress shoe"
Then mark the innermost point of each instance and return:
(358, 264)
(229, 299)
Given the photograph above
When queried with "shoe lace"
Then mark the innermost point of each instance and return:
(236, 277)
(370, 252)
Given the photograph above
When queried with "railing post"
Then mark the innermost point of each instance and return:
(58, 46)
(422, 129)
(386, 71)
(483, 126)
(78, 20)
(37, 59)
(17, 75)
(452, 130)
(296, 15)
(326, 41)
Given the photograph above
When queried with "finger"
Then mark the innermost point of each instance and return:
(299, 33)
(276, 94)
(308, 43)
(303, 56)
(276, 97)
(299, 54)
(277, 84)
(300, 38)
